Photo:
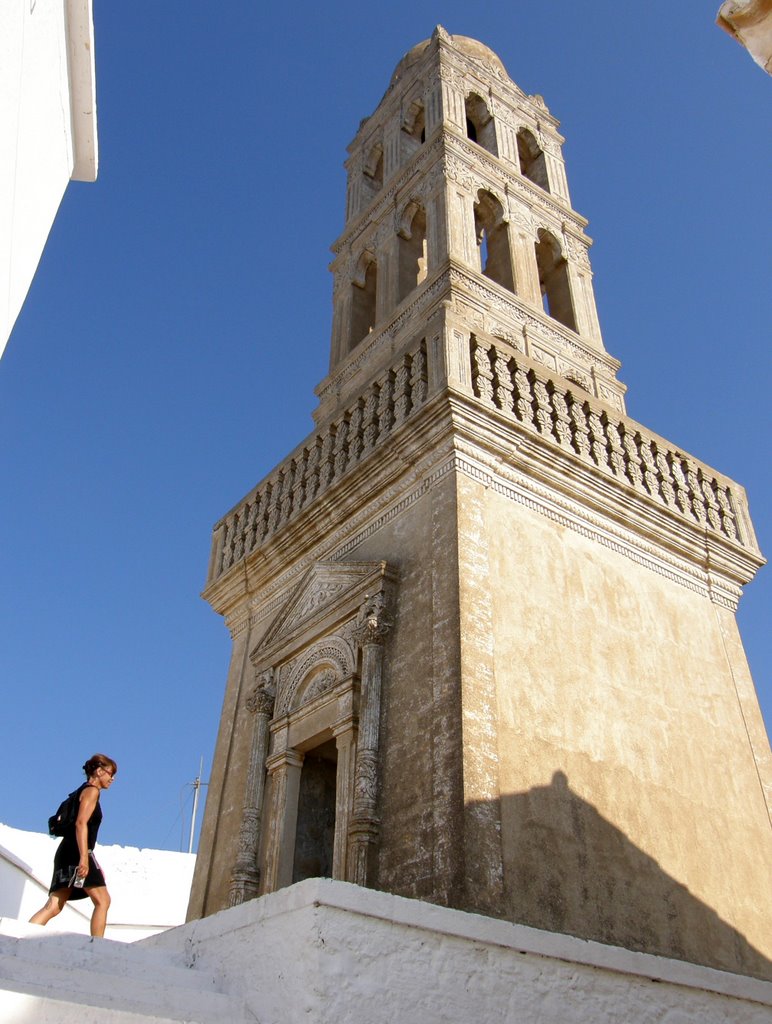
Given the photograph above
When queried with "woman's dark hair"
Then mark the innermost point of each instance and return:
(99, 761)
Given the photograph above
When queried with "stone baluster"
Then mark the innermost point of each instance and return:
(562, 425)
(370, 633)
(285, 498)
(326, 463)
(681, 487)
(419, 376)
(633, 459)
(245, 879)
(502, 382)
(616, 454)
(340, 453)
(581, 438)
(385, 407)
(370, 419)
(666, 478)
(227, 548)
(597, 440)
(695, 493)
(542, 411)
(312, 471)
(711, 505)
(728, 519)
(482, 376)
(356, 439)
(299, 484)
(402, 392)
(522, 402)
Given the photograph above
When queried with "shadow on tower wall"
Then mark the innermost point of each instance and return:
(567, 869)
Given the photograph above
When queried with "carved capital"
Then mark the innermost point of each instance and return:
(261, 700)
(372, 623)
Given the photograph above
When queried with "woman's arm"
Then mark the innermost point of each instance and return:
(88, 800)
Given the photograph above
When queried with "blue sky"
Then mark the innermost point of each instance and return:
(167, 353)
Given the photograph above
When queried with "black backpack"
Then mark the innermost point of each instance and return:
(65, 815)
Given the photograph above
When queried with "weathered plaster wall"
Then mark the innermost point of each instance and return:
(331, 951)
(616, 717)
(420, 807)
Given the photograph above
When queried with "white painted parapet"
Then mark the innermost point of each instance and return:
(331, 951)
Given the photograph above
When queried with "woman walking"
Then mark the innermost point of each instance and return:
(76, 872)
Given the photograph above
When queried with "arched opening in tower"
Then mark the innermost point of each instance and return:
(363, 304)
(533, 164)
(479, 123)
(553, 280)
(493, 240)
(412, 250)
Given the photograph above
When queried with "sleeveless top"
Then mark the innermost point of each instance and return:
(93, 824)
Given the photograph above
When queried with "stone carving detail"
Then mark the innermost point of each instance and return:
(568, 420)
(370, 630)
(385, 405)
(245, 878)
(372, 622)
(334, 653)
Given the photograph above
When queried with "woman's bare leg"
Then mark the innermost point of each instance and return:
(54, 906)
(100, 897)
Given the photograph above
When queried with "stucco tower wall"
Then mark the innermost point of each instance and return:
(626, 814)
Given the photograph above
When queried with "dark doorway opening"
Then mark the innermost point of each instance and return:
(315, 834)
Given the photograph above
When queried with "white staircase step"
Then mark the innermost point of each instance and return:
(74, 974)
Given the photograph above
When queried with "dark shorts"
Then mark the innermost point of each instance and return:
(65, 865)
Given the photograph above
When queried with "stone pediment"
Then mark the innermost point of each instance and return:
(324, 587)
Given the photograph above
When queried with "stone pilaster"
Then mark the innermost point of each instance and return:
(245, 879)
(370, 633)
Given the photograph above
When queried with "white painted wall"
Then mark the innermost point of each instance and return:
(324, 951)
(149, 888)
(47, 131)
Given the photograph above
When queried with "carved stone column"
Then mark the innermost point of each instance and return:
(246, 876)
(370, 632)
(345, 741)
(284, 768)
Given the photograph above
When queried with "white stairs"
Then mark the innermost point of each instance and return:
(54, 978)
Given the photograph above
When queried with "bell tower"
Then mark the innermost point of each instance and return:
(457, 194)
(484, 645)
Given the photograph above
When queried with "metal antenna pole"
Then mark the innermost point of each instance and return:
(196, 787)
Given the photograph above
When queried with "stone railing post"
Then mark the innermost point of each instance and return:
(245, 879)
(370, 632)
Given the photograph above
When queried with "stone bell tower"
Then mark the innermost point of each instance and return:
(484, 644)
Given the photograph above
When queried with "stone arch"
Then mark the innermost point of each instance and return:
(492, 236)
(412, 248)
(480, 126)
(533, 163)
(364, 289)
(331, 654)
(414, 126)
(373, 165)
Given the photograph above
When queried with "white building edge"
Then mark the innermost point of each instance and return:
(48, 131)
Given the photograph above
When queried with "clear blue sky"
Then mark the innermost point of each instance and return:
(167, 353)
